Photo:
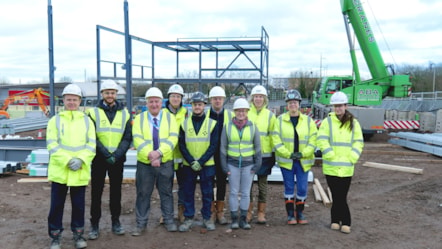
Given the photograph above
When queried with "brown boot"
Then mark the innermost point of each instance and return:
(220, 213)
(181, 213)
(213, 211)
(250, 213)
(262, 213)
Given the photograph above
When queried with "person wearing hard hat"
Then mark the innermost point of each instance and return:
(114, 137)
(155, 135)
(174, 105)
(341, 141)
(198, 141)
(70, 142)
(240, 159)
(217, 95)
(264, 119)
(294, 139)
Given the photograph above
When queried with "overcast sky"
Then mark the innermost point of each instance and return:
(302, 34)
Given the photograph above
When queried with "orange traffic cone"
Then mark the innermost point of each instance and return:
(39, 135)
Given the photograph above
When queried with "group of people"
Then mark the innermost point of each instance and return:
(214, 145)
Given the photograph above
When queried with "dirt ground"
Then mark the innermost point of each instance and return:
(390, 209)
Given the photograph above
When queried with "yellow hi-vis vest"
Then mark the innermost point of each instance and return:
(109, 134)
(340, 146)
(240, 147)
(179, 117)
(70, 134)
(197, 144)
(142, 137)
(283, 139)
(265, 122)
(228, 115)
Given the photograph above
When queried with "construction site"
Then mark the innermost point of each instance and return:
(394, 198)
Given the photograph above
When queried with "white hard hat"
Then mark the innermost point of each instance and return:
(154, 92)
(108, 85)
(72, 89)
(241, 104)
(217, 91)
(259, 90)
(338, 98)
(175, 88)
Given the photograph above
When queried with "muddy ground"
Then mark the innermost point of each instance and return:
(390, 209)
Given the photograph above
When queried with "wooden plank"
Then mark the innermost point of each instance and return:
(395, 152)
(329, 194)
(316, 193)
(393, 167)
(22, 171)
(324, 197)
(32, 179)
(421, 160)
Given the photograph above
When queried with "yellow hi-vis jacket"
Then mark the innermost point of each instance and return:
(283, 139)
(197, 144)
(265, 121)
(179, 118)
(70, 134)
(340, 146)
(109, 134)
(142, 136)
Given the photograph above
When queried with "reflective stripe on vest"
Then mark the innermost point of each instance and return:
(110, 134)
(239, 145)
(341, 144)
(68, 147)
(197, 144)
(162, 140)
(292, 140)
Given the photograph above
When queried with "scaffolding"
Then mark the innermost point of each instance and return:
(253, 69)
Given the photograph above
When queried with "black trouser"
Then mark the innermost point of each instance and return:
(221, 182)
(115, 172)
(339, 186)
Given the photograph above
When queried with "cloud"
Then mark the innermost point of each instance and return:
(303, 35)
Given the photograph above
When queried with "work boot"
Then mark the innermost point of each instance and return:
(345, 229)
(137, 231)
(220, 213)
(250, 212)
(56, 236)
(234, 216)
(209, 225)
(181, 213)
(187, 225)
(290, 208)
(243, 220)
(171, 227)
(299, 209)
(117, 229)
(79, 241)
(262, 213)
(335, 226)
(213, 211)
(94, 232)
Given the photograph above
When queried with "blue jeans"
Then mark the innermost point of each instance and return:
(240, 181)
(58, 198)
(147, 177)
(289, 181)
(207, 175)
